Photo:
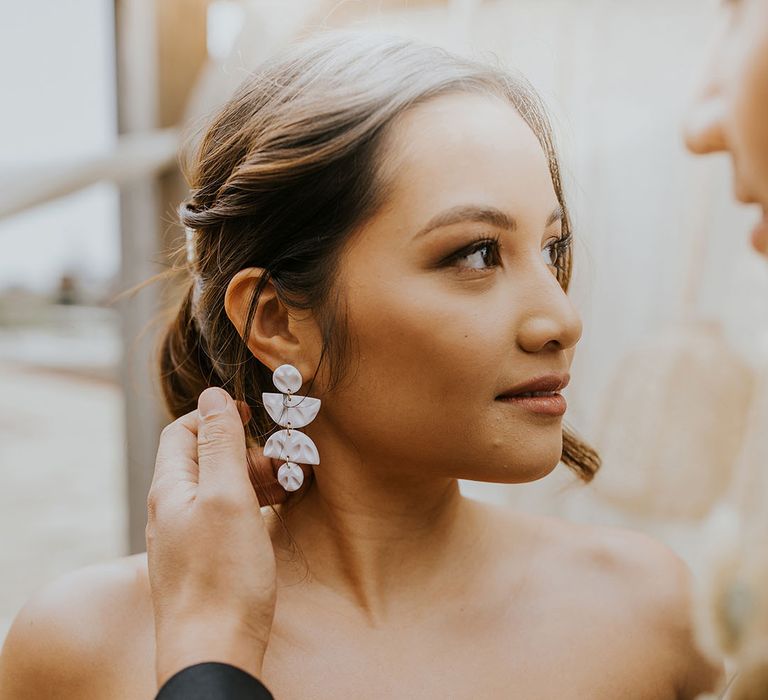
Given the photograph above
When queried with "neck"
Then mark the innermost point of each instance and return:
(383, 543)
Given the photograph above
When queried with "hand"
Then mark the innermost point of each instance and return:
(211, 562)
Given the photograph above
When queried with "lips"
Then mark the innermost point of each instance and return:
(760, 235)
(545, 385)
(538, 396)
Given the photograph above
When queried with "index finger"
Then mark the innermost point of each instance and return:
(176, 460)
(177, 451)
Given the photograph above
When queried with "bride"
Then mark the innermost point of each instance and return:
(389, 219)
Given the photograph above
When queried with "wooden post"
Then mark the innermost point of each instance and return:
(160, 47)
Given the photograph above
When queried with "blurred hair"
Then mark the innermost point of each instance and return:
(285, 173)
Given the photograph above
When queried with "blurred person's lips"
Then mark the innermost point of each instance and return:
(759, 238)
(741, 194)
(760, 235)
(539, 395)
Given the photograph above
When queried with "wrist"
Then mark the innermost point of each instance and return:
(184, 643)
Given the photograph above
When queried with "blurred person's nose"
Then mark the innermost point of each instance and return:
(704, 127)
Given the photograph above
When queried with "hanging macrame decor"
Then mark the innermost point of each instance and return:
(673, 424)
(673, 418)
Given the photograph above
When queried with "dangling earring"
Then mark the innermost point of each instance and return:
(290, 412)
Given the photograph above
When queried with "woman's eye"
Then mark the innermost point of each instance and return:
(551, 254)
(486, 254)
(482, 255)
(554, 253)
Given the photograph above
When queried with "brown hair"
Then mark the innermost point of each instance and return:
(285, 173)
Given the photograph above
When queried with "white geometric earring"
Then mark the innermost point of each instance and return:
(290, 412)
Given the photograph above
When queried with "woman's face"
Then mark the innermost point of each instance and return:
(444, 318)
(731, 113)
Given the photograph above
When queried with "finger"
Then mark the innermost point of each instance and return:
(177, 453)
(263, 473)
(244, 411)
(221, 453)
(270, 495)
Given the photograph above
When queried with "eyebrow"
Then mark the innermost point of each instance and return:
(489, 215)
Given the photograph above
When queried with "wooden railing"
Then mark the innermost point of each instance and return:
(134, 157)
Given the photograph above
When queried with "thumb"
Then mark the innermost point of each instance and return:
(221, 452)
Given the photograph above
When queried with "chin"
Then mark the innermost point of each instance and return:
(540, 469)
(516, 471)
(536, 475)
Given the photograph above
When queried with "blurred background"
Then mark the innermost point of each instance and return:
(96, 96)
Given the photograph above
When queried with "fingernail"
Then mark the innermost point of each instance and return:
(211, 402)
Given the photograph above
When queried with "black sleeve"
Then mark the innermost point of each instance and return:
(213, 681)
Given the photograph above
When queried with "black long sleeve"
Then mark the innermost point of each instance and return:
(213, 681)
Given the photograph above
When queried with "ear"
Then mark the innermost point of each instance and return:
(276, 336)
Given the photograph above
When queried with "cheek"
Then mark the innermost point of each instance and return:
(431, 361)
(426, 362)
(423, 339)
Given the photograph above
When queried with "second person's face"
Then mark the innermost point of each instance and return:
(731, 113)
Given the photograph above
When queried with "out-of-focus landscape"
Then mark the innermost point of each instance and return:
(62, 462)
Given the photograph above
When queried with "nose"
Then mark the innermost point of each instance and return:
(703, 131)
(552, 322)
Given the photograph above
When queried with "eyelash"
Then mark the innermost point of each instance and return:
(561, 246)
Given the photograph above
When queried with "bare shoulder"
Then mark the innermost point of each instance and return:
(627, 593)
(652, 585)
(640, 569)
(77, 634)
